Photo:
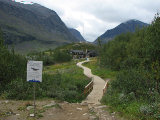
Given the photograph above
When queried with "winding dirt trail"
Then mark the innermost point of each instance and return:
(95, 96)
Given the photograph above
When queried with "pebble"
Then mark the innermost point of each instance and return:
(113, 113)
(30, 107)
(85, 114)
(31, 115)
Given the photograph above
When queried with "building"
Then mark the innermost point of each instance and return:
(78, 54)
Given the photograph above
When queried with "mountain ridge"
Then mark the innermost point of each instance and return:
(23, 24)
(127, 26)
(77, 34)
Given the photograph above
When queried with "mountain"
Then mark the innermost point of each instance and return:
(77, 34)
(128, 26)
(32, 27)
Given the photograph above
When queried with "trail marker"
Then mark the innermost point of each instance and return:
(34, 74)
(34, 71)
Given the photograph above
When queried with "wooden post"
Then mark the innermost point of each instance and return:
(34, 97)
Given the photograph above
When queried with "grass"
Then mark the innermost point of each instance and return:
(59, 67)
(100, 71)
(73, 78)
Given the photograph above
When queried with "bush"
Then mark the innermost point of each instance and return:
(137, 58)
(12, 66)
(58, 86)
(135, 79)
(61, 56)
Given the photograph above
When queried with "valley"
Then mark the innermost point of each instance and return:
(79, 60)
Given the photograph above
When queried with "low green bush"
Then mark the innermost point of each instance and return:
(59, 86)
(136, 90)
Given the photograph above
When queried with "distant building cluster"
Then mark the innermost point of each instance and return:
(78, 54)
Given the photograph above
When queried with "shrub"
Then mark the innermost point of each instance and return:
(136, 56)
(61, 56)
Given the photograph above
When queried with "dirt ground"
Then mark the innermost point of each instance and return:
(51, 110)
(17, 110)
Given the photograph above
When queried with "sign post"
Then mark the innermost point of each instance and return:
(34, 97)
(34, 74)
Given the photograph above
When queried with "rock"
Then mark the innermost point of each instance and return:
(92, 118)
(6, 101)
(17, 114)
(89, 106)
(84, 103)
(31, 115)
(49, 105)
(79, 108)
(66, 102)
(85, 114)
(113, 113)
(100, 107)
(30, 107)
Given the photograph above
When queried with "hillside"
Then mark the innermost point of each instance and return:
(78, 46)
(32, 27)
(128, 26)
(77, 34)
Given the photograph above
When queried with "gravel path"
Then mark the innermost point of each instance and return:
(97, 92)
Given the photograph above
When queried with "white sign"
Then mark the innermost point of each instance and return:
(34, 71)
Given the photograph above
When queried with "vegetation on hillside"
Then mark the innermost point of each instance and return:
(50, 57)
(60, 54)
(78, 46)
(136, 90)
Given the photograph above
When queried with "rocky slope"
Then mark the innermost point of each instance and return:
(77, 34)
(32, 26)
(128, 26)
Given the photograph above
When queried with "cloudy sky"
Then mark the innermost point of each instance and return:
(97, 16)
